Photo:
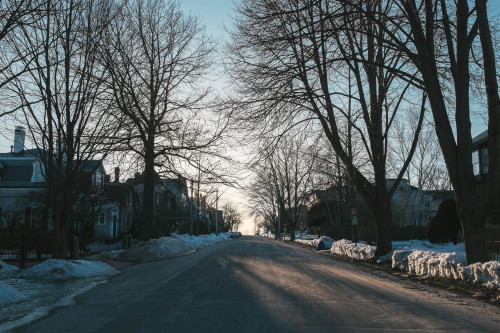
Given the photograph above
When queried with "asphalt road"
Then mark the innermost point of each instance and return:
(254, 284)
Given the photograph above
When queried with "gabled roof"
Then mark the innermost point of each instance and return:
(91, 166)
(480, 138)
(176, 186)
(16, 169)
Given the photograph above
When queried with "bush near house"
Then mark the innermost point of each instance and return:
(445, 225)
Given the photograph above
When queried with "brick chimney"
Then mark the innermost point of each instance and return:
(19, 135)
(117, 174)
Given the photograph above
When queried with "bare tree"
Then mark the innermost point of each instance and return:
(61, 98)
(294, 59)
(427, 169)
(232, 218)
(283, 176)
(15, 15)
(440, 40)
(156, 57)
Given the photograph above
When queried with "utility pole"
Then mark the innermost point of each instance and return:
(198, 210)
(279, 219)
(216, 212)
(191, 211)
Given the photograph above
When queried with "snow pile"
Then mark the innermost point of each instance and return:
(202, 241)
(169, 247)
(446, 264)
(347, 248)
(307, 240)
(9, 294)
(487, 273)
(6, 268)
(428, 263)
(268, 234)
(156, 249)
(58, 269)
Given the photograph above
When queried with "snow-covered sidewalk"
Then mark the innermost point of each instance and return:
(422, 258)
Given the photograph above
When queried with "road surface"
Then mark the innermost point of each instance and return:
(255, 284)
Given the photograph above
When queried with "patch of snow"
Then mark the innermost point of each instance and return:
(445, 260)
(58, 269)
(349, 249)
(156, 249)
(169, 247)
(6, 268)
(9, 294)
(42, 311)
(313, 240)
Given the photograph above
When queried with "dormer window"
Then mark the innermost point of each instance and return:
(98, 179)
(38, 173)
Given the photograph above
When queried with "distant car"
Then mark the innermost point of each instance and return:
(235, 235)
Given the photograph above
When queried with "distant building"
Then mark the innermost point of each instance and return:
(412, 206)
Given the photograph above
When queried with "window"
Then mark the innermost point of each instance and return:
(427, 202)
(475, 162)
(98, 179)
(484, 160)
(102, 219)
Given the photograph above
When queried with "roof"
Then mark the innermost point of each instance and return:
(92, 165)
(30, 154)
(176, 186)
(16, 169)
(480, 138)
(441, 194)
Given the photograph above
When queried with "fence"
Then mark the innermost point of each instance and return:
(24, 248)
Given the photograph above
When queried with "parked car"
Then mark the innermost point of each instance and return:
(235, 235)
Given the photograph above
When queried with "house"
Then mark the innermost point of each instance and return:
(24, 193)
(412, 210)
(480, 156)
(117, 206)
(480, 161)
(415, 207)
(21, 181)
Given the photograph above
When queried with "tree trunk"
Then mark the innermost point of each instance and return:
(475, 245)
(383, 218)
(146, 225)
(60, 239)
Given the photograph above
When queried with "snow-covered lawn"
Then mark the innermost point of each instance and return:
(422, 258)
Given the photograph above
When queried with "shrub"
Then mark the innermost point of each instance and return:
(446, 224)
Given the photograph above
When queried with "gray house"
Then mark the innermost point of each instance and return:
(24, 193)
(21, 181)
